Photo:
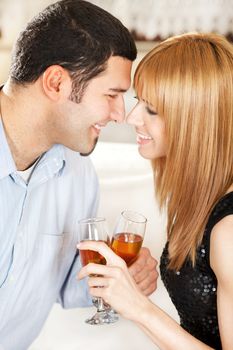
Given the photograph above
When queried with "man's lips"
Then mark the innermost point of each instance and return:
(98, 127)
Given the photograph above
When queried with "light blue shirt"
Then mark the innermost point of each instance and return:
(38, 237)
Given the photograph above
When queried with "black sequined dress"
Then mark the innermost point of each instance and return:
(193, 290)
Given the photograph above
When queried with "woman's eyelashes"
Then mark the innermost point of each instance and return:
(150, 111)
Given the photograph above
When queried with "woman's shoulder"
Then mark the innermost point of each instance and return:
(216, 222)
(221, 247)
(221, 240)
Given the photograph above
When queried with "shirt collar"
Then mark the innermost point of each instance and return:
(7, 162)
(52, 161)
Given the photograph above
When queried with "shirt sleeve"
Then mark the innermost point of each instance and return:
(74, 293)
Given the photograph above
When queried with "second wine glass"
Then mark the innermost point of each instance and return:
(128, 235)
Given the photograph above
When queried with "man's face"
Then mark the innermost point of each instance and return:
(78, 125)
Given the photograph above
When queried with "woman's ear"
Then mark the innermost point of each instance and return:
(56, 83)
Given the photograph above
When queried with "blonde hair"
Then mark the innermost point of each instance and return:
(188, 80)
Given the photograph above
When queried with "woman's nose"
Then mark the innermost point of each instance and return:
(135, 116)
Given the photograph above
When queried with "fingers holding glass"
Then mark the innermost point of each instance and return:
(114, 284)
(126, 244)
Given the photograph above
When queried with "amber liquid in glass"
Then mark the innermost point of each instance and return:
(127, 246)
(90, 256)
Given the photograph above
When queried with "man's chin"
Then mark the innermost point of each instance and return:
(88, 153)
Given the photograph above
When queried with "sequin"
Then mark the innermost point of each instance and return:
(193, 290)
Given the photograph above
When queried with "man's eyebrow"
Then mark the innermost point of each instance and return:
(117, 90)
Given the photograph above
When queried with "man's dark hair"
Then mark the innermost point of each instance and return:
(74, 34)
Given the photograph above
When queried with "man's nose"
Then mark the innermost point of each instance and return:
(118, 109)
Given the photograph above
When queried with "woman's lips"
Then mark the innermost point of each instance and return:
(143, 139)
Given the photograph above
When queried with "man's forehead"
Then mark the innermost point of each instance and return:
(116, 78)
(118, 62)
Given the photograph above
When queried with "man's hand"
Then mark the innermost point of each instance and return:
(144, 272)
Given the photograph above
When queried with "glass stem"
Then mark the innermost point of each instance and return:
(100, 305)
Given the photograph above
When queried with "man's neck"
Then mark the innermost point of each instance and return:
(23, 127)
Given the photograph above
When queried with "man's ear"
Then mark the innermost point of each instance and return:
(56, 83)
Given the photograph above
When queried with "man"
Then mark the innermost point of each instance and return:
(70, 68)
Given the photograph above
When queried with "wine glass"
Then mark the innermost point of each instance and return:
(128, 235)
(95, 229)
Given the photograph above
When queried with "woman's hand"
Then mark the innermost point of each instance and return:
(117, 286)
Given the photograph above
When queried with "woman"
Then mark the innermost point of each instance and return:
(184, 124)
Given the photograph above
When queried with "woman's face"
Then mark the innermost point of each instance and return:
(150, 129)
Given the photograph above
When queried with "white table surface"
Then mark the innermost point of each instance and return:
(67, 330)
(78, 335)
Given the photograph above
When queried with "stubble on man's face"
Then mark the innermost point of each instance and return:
(88, 153)
(112, 82)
